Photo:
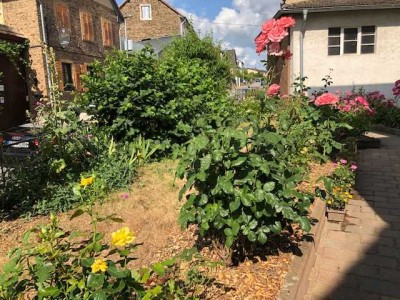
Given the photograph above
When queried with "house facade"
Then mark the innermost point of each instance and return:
(79, 31)
(355, 42)
(151, 19)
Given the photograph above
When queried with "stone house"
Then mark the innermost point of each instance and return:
(79, 31)
(151, 19)
(354, 41)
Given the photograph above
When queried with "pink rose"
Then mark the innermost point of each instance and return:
(267, 26)
(275, 49)
(277, 34)
(273, 89)
(343, 161)
(326, 99)
(353, 167)
(261, 41)
(362, 101)
(285, 22)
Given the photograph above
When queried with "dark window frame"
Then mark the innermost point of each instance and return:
(67, 75)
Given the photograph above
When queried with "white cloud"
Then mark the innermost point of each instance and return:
(236, 27)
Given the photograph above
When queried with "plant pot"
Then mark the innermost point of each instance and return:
(365, 142)
(335, 215)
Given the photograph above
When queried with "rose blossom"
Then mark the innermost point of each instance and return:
(277, 34)
(273, 89)
(353, 167)
(362, 101)
(267, 26)
(275, 49)
(285, 22)
(261, 41)
(326, 99)
(343, 161)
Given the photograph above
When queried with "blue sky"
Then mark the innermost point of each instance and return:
(234, 23)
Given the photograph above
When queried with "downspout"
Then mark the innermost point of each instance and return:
(44, 39)
(302, 31)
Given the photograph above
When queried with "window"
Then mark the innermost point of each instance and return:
(62, 16)
(67, 77)
(368, 39)
(107, 30)
(87, 26)
(350, 40)
(334, 41)
(355, 40)
(145, 12)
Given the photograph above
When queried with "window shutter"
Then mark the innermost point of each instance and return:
(77, 75)
(59, 75)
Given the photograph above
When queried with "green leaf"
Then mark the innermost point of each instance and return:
(228, 232)
(252, 236)
(276, 228)
(44, 273)
(77, 213)
(234, 205)
(227, 187)
(305, 224)
(95, 281)
(159, 269)
(269, 186)
(262, 238)
(99, 295)
(239, 161)
(229, 241)
(48, 292)
(113, 271)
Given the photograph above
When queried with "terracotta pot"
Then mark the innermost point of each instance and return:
(335, 215)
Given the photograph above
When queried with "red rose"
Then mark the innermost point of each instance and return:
(268, 25)
(261, 41)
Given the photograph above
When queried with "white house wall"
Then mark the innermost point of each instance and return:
(376, 71)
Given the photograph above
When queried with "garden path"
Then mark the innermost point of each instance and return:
(360, 259)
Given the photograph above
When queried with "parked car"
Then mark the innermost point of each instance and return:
(20, 141)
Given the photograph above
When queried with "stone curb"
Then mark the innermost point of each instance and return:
(297, 280)
(385, 129)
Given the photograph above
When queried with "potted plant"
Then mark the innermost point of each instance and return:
(337, 191)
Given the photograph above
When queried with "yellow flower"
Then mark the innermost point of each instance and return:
(122, 237)
(87, 181)
(99, 265)
(329, 201)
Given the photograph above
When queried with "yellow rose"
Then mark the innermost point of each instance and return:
(87, 181)
(122, 237)
(99, 265)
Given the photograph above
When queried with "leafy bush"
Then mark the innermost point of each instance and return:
(160, 99)
(239, 186)
(387, 111)
(312, 136)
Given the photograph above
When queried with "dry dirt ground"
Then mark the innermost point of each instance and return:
(151, 212)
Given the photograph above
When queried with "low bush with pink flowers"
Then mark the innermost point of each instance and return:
(348, 107)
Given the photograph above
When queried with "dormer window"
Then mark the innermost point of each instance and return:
(145, 12)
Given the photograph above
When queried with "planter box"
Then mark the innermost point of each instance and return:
(335, 215)
(366, 142)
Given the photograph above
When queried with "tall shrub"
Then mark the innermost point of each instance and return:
(159, 98)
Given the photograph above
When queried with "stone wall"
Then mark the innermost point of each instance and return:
(165, 21)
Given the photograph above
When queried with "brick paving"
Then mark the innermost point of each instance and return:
(360, 259)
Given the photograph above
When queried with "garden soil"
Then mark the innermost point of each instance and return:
(150, 209)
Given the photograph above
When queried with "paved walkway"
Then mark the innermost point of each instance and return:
(360, 259)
